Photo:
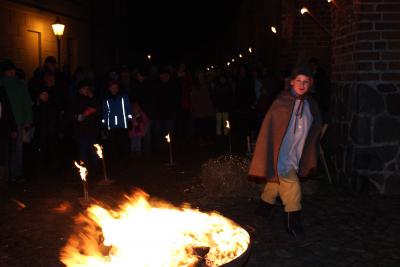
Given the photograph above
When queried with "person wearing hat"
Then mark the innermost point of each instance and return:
(21, 105)
(287, 149)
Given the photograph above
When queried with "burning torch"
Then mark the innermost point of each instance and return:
(228, 127)
(83, 173)
(99, 151)
(171, 160)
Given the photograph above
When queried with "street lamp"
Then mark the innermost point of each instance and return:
(58, 29)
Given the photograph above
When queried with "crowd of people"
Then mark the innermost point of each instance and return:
(129, 110)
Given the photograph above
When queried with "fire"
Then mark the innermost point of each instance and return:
(168, 138)
(82, 170)
(99, 150)
(227, 124)
(153, 234)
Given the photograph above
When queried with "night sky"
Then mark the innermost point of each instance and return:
(189, 31)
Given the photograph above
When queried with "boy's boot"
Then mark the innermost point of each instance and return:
(293, 223)
(263, 209)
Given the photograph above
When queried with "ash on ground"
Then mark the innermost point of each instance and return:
(226, 177)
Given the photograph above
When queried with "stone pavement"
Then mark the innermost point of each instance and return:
(36, 218)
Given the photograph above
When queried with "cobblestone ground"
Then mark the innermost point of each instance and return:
(36, 218)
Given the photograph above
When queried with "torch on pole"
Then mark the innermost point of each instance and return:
(99, 151)
(171, 159)
(83, 173)
(228, 127)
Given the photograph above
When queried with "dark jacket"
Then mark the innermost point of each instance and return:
(89, 125)
(7, 121)
(264, 163)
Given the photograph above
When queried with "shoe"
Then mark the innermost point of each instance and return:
(263, 209)
(293, 223)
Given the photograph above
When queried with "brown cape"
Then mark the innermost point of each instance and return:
(263, 166)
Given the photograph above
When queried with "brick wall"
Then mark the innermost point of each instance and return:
(366, 94)
(301, 37)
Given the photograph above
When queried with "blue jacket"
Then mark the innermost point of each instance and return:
(117, 111)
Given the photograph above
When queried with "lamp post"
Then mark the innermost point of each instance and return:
(58, 30)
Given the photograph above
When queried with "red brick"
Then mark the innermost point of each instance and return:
(391, 55)
(387, 26)
(364, 8)
(391, 16)
(394, 66)
(366, 56)
(368, 36)
(363, 46)
(367, 76)
(391, 35)
(390, 76)
(380, 65)
(365, 26)
(380, 45)
(388, 7)
(369, 17)
(394, 45)
(364, 66)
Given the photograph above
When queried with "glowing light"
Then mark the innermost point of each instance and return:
(149, 57)
(168, 138)
(208, 68)
(273, 29)
(227, 125)
(240, 55)
(233, 60)
(250, 50)
(82, 170)
(144, 232)
(58, 28)
(304, 10)
(228, 63)
(99, 150)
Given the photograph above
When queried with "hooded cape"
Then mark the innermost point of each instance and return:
(263, 166)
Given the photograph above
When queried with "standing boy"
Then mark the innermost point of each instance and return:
(287, 148)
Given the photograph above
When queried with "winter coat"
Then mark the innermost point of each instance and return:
(86, 117)
(139, 123)
(117, 111)
(19, 98)
(263, 166)
(7, 121)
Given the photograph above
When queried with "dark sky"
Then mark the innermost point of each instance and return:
(180, 30)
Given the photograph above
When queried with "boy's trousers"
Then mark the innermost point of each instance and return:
(288, 189)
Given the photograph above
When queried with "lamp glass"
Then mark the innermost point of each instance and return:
(58, 29)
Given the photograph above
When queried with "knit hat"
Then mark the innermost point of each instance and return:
(8, 65)
(302, 69)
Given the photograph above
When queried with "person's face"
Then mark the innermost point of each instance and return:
(51, 66)
(49, 80)
(44, 96)
(301, 84)
(10, 73)
(113, 89)
(85, 90)
(164, 77)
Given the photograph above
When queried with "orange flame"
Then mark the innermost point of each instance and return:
(64, 207)
(99, 150)
(82, 170)
(227, 124)
(20, 204)
(153, 234)
(168, 138)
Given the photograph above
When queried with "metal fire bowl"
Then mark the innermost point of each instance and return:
(241, 260)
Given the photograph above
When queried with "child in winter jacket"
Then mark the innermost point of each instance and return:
(139, 127)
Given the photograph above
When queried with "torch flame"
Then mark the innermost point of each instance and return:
(153, 234)
(227, 124)
(82, 170)
(99, 150)
(304, 10)
(168, 138)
